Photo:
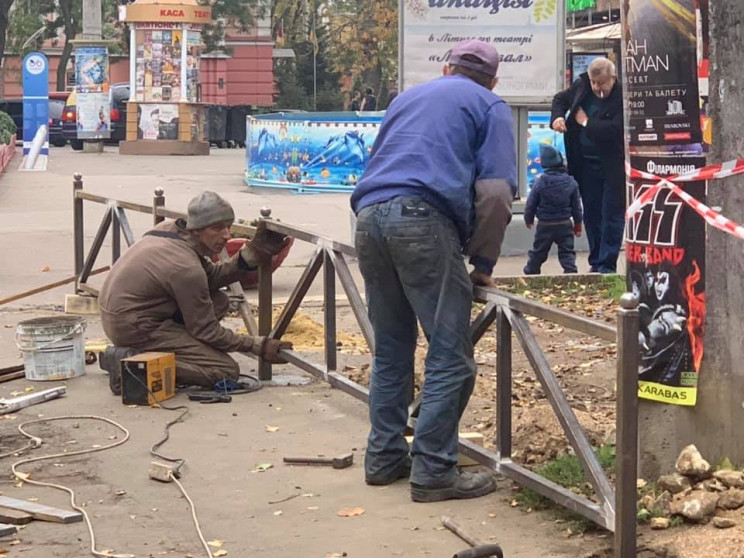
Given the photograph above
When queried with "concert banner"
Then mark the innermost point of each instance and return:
(660, 64)
(665, 251)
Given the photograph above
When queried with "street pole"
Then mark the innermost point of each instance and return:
(315, 64)
(92, 31)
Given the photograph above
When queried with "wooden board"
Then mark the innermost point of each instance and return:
(41, 512)
(78, 304)
(15, 517)
(6, 530)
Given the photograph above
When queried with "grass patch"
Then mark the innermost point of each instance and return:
(566, 471)
(615, 286)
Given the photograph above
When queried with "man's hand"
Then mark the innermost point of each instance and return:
(529, 225)
(481, 279)
(581, 117)
(268, 349)
(577, 230)
(559, 125)
(263, 245)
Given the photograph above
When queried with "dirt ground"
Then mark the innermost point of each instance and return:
(224, 445)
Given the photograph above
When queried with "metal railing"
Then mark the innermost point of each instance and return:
(615, 509)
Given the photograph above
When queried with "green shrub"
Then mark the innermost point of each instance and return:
(7, 124)
(5, 137)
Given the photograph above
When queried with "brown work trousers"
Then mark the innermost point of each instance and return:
(196, 363)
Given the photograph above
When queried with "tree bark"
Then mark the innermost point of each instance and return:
(719, 414)
(71, 26)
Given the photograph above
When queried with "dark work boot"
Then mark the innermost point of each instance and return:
(110, 361)
(464, 485)
(402, 471)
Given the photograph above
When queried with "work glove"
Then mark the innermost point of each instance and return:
(263, 245)
(268, 349)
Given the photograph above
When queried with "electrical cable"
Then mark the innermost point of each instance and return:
(37, 441)
(193, 515)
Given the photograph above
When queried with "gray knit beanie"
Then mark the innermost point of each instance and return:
(206, 209)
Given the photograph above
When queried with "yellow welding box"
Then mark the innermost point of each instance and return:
(148, 378)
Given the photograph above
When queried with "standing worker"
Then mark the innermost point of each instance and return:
(596, 157)
(164, 294)
(442, 176)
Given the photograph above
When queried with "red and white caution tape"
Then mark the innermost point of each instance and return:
(711, 172)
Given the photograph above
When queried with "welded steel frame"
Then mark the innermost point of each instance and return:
(614, 509)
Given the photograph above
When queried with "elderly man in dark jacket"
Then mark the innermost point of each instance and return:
(595, 151)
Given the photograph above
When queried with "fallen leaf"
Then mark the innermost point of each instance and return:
(120, 492)
(33, 499)
(45, 268)
(270, 428)
(278, 512)
(313, 508)
(262, 467)
(16, 393)
(29, 389)
(216, 543)
(24, 476)
(350, 512)
(221, 553)
(278, 408)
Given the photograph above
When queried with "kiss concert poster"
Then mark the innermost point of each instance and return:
(665, 251)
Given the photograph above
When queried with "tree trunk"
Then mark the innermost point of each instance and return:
(720, 410)
(62, 69)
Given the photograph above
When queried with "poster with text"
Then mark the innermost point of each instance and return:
(91, 70)
(525, 32)
(660, 67)
(93, 115)
(665, 251)
(157, 121)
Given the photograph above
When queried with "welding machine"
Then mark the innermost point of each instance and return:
(148, 378)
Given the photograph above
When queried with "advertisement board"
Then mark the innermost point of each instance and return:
(93, 93)
(157, 121)
(529, 35)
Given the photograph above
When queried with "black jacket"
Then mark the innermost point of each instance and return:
(606, 131)
(554, 197)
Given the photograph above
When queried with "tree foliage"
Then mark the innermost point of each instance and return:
(238, 14)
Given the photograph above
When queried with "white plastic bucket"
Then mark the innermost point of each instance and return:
(53, 348)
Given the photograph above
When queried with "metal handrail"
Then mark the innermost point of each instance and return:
(615, 509)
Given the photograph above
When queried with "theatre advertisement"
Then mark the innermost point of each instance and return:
(93, 96)
(157, 122)
(665, 251)
(527, 33)
(660, 66)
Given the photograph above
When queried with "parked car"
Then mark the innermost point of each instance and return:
(119, 98)
(14, 108)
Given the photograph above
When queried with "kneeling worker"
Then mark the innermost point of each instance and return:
(164, 294)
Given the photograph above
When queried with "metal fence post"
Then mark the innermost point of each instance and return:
(627, 427)
(329, 311)
(158, 201)
(503, 384)
(77, 225)
(115, 235)
(265, 305)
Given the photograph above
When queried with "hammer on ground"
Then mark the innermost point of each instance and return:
(479, 549)
(339, 462)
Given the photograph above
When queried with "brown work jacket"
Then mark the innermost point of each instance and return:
(166, 276)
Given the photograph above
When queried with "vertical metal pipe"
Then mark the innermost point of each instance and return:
(265, 305)
(158, 201)
(77, 225)
(115, 235)
(503, 384)
(329, 311)
(627, 427)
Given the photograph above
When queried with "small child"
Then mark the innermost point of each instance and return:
(554, 199)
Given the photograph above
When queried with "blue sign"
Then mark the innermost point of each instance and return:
(35, 99)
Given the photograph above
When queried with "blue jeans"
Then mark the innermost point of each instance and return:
(604, 218)
(410, 258)
(546, 235)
